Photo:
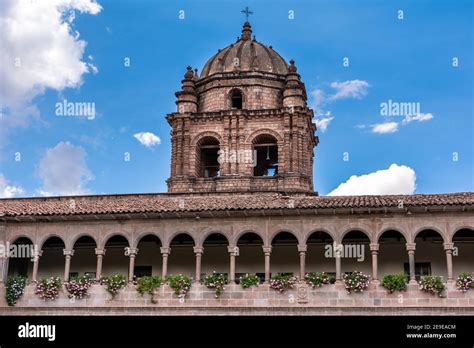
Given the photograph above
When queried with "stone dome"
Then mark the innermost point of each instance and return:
(245, 55)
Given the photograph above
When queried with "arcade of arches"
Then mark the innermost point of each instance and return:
(425, 251)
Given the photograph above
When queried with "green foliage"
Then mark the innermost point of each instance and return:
(249, 280)
(78, 287)
(317, 279)
(114, 283)
(395, 282)
(180, 283)
(15, 287)
(283, 281)
(465, 281)
(356, 281)
(148, 285)
(433, 284)
(216, 281)
(48, 288)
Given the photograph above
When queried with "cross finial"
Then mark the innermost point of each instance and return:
(247, 12)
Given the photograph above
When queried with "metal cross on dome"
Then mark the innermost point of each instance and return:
(247, 12)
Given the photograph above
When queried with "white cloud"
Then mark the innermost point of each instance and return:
(64, 171)
(322, 123)
(148, 139)
(356, 89)
(7, 190)
(319, 98)
(40, 50)
(394, 180)
(386, 127)
(421, 117)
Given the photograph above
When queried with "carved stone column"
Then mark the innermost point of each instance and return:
(67, 262)
(165, 253)
(198, 251)
(100, 255)
(267, 250)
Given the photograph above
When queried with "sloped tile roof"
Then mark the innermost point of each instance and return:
(162, 203)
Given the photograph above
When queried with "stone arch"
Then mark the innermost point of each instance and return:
(317, 242)
(457, 228)
(356, 228)
(216, 254)
(433, 228)
(273, 234)
(75, 238)
(251, 256)
(239, 234)
(15, 237)
(392, 252)
(210, 231)
(391, 228)
(136, 239)
(285, 255)
(167, 241)
(45, 238)
(51, 262)
(84, 259)
(308, 234)
(232, 93)
(430, 257)
(262, 131)
(197, 138)
(356, 254)
(106, 238)
(463, 249)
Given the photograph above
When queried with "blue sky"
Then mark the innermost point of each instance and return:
(403, 60)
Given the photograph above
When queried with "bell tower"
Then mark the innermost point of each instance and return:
(243, 124)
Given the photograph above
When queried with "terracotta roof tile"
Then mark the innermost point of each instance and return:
(161, 203)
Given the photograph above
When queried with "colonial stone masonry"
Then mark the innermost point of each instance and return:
(241, 201)
(248, 103)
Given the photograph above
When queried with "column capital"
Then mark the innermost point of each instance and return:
(267, 249)
(67, 252)
(233, 250)
(37, 253)
(198, 250)
(165, 251)
(100, 252)
(374, 246)
(131, 251)
(411, 246)
(302, 248)
(448, 246)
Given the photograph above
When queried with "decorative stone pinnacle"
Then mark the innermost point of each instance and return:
(189, 73)
(246, 31)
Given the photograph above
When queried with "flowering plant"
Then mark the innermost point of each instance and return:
(433, 284)
(465, 281)
(283, 281)
(249, 280)
(216, 281)
(180, 283)
(78, 287)
(395, 282)
(148, 285)
(317, 279)
(48, 288)
(356, 281)
(114, 283)
(14, 289)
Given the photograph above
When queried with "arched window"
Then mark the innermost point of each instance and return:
(266, 154)
(236, 99)
(208, 157)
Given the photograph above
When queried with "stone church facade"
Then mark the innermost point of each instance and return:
(241, 200)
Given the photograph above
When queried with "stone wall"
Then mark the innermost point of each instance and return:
(234, 300)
